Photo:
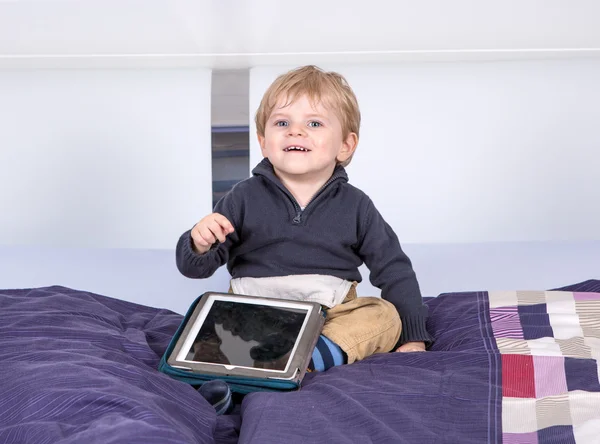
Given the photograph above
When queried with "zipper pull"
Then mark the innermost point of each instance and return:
(298, 217)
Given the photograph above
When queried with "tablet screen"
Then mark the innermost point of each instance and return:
(246, 335)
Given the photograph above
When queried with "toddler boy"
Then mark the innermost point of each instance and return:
(297, 229)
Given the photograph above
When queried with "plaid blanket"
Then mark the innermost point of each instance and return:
(543, 350)
(550, 347)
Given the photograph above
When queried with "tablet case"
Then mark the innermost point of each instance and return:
(243, 385)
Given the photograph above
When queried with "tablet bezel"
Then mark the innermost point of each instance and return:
(299, 357)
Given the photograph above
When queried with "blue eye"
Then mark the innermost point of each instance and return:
(314, 124)
(281, 123)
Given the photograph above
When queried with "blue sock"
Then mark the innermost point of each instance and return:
(218, 394)
(326, 354)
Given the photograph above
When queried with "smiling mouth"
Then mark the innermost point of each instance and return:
(296, 148)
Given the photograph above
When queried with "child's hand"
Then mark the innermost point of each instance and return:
(213, 227)
(412, 347)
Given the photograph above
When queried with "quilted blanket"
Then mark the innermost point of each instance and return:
(512, 367)
(549, 345)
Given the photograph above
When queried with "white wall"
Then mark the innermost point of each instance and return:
(239, 34)
(118, 159)
(103, 158)
(476, 152)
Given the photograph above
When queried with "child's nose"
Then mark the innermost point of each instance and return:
(296, 130)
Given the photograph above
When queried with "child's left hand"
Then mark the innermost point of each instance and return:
(411, 347)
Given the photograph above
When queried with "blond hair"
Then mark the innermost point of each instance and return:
(329, 88)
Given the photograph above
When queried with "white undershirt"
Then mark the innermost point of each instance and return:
(326, 290)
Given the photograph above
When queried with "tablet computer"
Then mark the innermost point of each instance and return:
(248, 336)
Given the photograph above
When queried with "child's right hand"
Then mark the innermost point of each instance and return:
(211, 228)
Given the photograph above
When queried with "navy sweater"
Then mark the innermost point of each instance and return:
(338, 231)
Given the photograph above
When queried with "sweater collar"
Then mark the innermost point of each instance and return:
(265, 169)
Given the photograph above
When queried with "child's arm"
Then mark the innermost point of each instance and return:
(203, 249)
(392, 272)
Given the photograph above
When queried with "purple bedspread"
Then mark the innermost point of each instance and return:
(81, 368)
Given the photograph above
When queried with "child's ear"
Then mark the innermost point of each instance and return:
(348, 148)
(261, 142)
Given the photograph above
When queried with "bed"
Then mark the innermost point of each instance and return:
(506, 367)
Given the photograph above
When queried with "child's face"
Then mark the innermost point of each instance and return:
(316, 133)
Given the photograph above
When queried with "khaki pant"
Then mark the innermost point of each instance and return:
(362, 326)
